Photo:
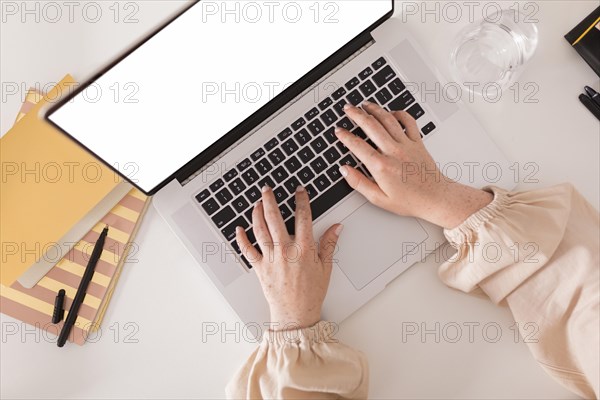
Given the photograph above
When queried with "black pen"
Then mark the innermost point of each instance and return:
(83, 285)
(590, 105)
(593, 95)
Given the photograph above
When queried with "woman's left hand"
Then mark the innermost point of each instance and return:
(294, 271)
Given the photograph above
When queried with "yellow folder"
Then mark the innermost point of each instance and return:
(52, 192)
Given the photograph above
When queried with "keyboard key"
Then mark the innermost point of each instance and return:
(416, 111)
(290, 224)
(286, 133)
(292, 164)
(258, 154)
(248, 214)
(266, 181)
(328, 117)
(402, 101)
(396, 86)
(251, 236)
(223, 217)
(316, 127)
(285, 211)
(240, 204)
(290, 147)
(383, 96)
(306, 175)
(237, 186)
(280, 194)
(263, 166)
(366, 73)
(216, 185)
(270, 145)
(202, 196)
(342, 148)
(334, 173)
(360, 133)
(329, 135)
(211, 206)
(331, 155)
(224, 196)
(384, 76)
(306, 154)
(330, 198)
(292, 203)
(339, 107)
(292, 184)
(302, 137)
(355, 98)
(322, 183)
(427, 129)
(319, 165)
(244, 164)
(370, 143)
(229, 231)
(276, 157)
(345, 123)
(311, 114)
(338, 93)
(318, 145)
(325, 103)
(299, 124)
(349, 160)
(367, 88)
(236, 248)
(229, 175)
(312, 193)
(253, 194)
(379, 63)
(280, 174)
(352, 83)
(250, 176)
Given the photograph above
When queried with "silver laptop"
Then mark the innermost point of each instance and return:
(222, 100)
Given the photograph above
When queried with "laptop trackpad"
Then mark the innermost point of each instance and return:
(373, 240)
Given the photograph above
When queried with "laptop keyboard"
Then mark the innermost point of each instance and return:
(306, 153)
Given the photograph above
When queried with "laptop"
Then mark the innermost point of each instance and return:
(218, 102)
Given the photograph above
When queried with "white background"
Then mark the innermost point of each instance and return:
(167, 299)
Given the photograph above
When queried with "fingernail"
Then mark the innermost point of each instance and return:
(265, 188)
(343, 171)
(367, 103)
(257, 204)
(239, 229)
(339, 229)
(347, 106)
(300, 189)
(338, 130)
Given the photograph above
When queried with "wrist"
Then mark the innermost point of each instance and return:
(282, 321)
(456, 202)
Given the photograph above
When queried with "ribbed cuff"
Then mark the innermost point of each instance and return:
(321, 332)
(462, 233)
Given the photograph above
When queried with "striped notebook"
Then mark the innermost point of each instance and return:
(35, 306)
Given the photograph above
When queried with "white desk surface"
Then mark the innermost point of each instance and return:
(151, 344)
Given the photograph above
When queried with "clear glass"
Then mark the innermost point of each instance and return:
(493, 52)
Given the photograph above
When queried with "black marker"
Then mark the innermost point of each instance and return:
(81, 290)
(593, 95)
(59, 311)
(590, 105)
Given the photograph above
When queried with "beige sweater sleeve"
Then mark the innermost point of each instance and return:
(302, 364)
(538, 252)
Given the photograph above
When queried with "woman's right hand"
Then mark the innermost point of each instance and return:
(407, 180)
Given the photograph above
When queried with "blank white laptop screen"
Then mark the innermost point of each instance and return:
(202, 75)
